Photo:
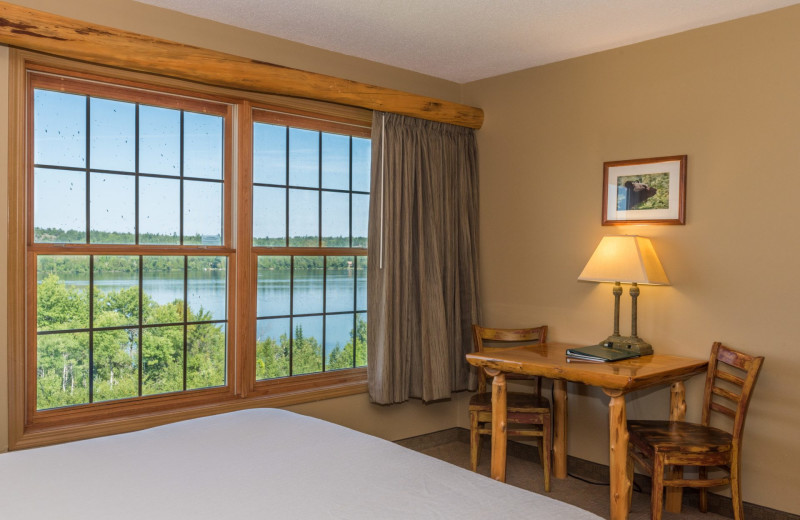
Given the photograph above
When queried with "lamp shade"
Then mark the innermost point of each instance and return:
(627, 259)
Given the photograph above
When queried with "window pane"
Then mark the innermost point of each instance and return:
(112, 131)
(335, 161)
(303, 158)
(159, 211)
(205, 355)
(360, 220)
(361, 283)
(159, 140)
(59, 129)
(62, 368)
(64, 222)
(361, 339)
(62, 294)
(207, 288)
(202, 213)
(116, 291)
(308, 284)
(269, 154)
(202, 142)
(272, 348)
(112, 208)
(116, 364)
(274, 286)
(304, 218)
(338, 341)
(362, 157)
(339, 284)
(307, 345)
(162, 282)
(269, 216)
(335, 219)
(162, 360)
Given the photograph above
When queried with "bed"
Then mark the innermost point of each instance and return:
(262, 463)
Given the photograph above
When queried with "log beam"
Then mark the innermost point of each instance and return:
(66, 37)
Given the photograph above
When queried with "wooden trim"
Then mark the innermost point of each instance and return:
(246, 263)
(43, 436)
(52, 78)
(61, 36)
(332, 111)
(15, 282)
(310, 251)
(310, 121)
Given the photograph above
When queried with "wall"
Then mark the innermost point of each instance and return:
(729, 97)
(394, 422)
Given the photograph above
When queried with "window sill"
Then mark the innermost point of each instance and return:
(267, 394)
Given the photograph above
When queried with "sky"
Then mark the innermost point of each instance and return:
(62, 122)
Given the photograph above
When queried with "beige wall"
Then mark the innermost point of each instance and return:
(356, 412)
(729, 97)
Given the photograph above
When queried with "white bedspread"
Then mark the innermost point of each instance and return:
(253, 464)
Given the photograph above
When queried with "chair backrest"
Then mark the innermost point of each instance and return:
(488, 339)
(729, 384)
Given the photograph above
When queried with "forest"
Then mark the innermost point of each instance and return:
(74, 236)
(130, 351)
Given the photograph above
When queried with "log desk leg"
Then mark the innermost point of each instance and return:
(559, 428)
(499, 418)
(620, 491)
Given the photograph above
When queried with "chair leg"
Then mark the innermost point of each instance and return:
(474, 441)
(657, 493)
(702, 474)
(736, 493)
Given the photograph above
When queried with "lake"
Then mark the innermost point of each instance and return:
(312, 293)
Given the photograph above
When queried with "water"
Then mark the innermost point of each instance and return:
(343, 289)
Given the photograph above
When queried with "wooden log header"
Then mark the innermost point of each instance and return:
(44, 32)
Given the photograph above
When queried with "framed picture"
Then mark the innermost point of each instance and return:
(645, 191)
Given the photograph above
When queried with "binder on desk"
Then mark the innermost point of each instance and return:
(600, 354)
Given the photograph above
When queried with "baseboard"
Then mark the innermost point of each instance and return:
(598, 473)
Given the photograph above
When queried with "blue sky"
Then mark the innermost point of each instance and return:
(60, 135)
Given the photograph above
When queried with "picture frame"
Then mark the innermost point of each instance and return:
(645, 191)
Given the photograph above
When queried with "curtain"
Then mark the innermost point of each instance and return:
(423, 259)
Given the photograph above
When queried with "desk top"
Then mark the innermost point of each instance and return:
(550, 360)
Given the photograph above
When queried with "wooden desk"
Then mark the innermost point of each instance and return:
(616, 379)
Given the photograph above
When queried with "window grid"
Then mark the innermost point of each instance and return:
(137, 175)
(318, 249)
(140, 326)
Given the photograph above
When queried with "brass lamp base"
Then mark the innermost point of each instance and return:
(634, 343)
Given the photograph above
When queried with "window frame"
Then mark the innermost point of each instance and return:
(29, 427)
(271, 115)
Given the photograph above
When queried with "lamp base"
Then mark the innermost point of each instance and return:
(633, 343)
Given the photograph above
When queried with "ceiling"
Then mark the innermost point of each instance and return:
(467, 40)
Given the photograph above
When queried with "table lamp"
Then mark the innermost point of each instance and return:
(625, 259)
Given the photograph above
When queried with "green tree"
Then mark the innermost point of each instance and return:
(342, 357)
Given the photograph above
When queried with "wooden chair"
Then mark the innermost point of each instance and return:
(528, 413)
(658, 444)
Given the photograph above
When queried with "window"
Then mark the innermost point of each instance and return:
(122, 167)
(310, 211)
(154, 285)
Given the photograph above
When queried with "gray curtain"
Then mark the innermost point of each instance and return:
(423, 259)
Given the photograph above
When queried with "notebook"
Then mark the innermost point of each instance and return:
(600, 353)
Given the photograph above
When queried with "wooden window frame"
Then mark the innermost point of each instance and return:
(30, 428)
(299, 119)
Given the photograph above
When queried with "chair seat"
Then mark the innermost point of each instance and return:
(515, 402)
(682, 437)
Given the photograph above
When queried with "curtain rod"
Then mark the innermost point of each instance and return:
(70, 38)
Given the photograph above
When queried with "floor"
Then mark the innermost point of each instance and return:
(527, 474)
